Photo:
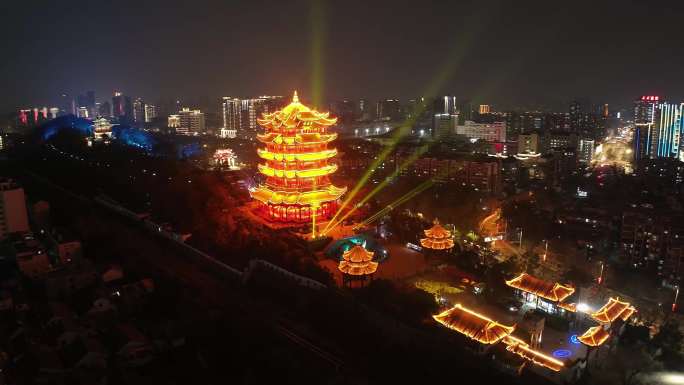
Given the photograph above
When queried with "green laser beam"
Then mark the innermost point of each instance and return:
(416, 154)
(398, 202)
(318, 39)
(432, 89)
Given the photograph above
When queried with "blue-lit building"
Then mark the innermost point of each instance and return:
(670, 125)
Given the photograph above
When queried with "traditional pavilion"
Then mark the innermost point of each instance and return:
(488, 332)
(521, 348)
(437, 238)
(613, 310)
(357, 265)
(594, 336)
(297, 187)
(473, 325)
(546, 296)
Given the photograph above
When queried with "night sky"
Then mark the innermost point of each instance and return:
(507, 53)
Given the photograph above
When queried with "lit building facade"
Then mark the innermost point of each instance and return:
(13, 214)
(528, 144)
(485, 109)
(187, 122)
(297, 187)
(444, 126)
(490, 132)
(150, 112)
(122, 108)
(645, 134)
(102, 128)
(670, 126)
(585, 150)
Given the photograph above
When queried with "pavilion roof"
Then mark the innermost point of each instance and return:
(594, 336)
(613, 309)
(571, 307)
(473, 325)
(296, 116)
(358, 261)
(437, 231)
(519, 347)
(554, 292)
(358, 254)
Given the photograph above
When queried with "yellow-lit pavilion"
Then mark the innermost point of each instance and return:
(357, 264)
(437, 237)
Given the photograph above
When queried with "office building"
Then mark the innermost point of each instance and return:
(442, 105)
(388, 110)
(528, 143)
(150, 112)
(230, 110)
(139, 111)
(86, 102)
(122, 108)
(669, 126)
(645, 133)
(490, 132)
(105, 110)
(83, 112)
(13, 213)
(240, 115)
(187, 122)
(585, 151)
(444, 126)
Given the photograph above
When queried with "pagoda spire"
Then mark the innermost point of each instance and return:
(295, 98)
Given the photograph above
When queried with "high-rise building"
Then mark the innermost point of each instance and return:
(585, 151)
(444, 126)
(139, 111)
(465, 111)
(529, 144)
(87, 102)
(240, 115)
(490, 132)
(187, 122)
(150, 112)
(83, 112)
(105, 109)
(13, 214)
(230, 109)
(67, 104)
(445, 105)
(388, 110)
(670, 125)
(645, 133)
(122, 108)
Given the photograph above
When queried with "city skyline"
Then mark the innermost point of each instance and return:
(507, 55)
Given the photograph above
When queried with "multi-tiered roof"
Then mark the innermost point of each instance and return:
(437, 237)
(296, 167)
(358, 261)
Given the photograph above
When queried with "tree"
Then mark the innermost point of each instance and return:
(667, 345)
(624, 366)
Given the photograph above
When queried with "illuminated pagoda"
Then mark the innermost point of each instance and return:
(297, 187)
(437, 237)
(357, 264)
